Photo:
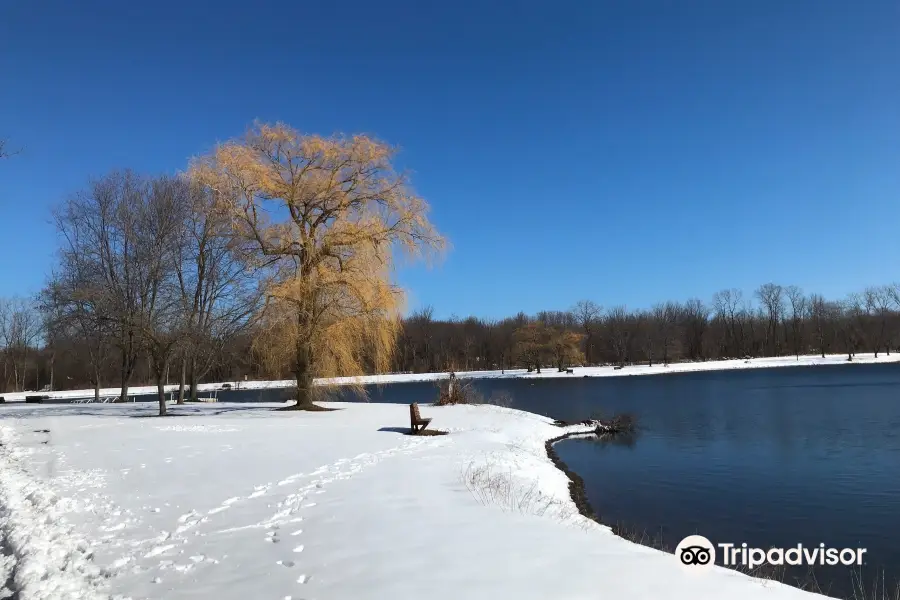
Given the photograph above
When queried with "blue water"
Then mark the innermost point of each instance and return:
(771, 457)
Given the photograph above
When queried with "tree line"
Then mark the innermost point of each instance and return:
(774, 320)
(270, 257)
(42, 345)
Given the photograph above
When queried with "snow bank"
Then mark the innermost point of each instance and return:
(234, 501)
(658, 369)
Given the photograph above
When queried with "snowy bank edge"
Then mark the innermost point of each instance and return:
(579, 372)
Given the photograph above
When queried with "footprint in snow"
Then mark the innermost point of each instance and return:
(159, 550)
(231, 501)
(187, 516)
(298, 532)
(217, 510)
(298, 549)
(303, 579)
(285, 563)
(259, 492)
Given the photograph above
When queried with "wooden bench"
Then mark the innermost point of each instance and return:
(570, 371)
(416, 422)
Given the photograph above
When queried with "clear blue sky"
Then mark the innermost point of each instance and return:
(627, 152)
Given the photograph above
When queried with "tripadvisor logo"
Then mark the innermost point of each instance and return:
(697, 553)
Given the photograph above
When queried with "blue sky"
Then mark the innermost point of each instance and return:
(627, 152)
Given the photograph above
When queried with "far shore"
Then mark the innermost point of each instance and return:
(546, 373)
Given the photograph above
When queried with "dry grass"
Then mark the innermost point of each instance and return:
(879, 589)
(494, 486)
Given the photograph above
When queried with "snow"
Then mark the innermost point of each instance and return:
(232, 501)
(608, 371)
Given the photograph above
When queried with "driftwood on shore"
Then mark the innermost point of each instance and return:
(622, 423)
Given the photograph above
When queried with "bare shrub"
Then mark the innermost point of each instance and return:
(454, 391)
(622, 423)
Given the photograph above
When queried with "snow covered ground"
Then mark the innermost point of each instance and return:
(685, 367)
(234, 501)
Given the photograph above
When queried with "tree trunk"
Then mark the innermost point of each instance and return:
(125, 375)
(193, 378)
(161, 391)
(181, 380)
(303, 372)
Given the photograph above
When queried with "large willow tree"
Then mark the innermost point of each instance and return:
(326, 219)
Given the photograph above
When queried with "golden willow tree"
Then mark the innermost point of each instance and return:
(326, 219)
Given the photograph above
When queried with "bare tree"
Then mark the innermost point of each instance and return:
(665, 318)
(587, 315)
(878, 306)
(78, 313)
(120, 237)
(97, 226)
(695, 317)
(20, 329)
(797, 306)
(772, 299)
(846, 316)
(619, 332)
(821, 319)
(726, 305)
(217, 293)
(158, 236)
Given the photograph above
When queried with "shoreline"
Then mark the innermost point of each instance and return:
(578, 496)
(522, 499)
(551, 373)
(577, 491)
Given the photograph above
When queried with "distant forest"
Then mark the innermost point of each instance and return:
(38, 349)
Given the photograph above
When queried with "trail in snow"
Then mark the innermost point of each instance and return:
(43, 559)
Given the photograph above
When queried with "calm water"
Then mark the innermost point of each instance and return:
(771, 457)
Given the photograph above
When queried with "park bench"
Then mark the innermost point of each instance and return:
(416, 422)
(570, 371)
